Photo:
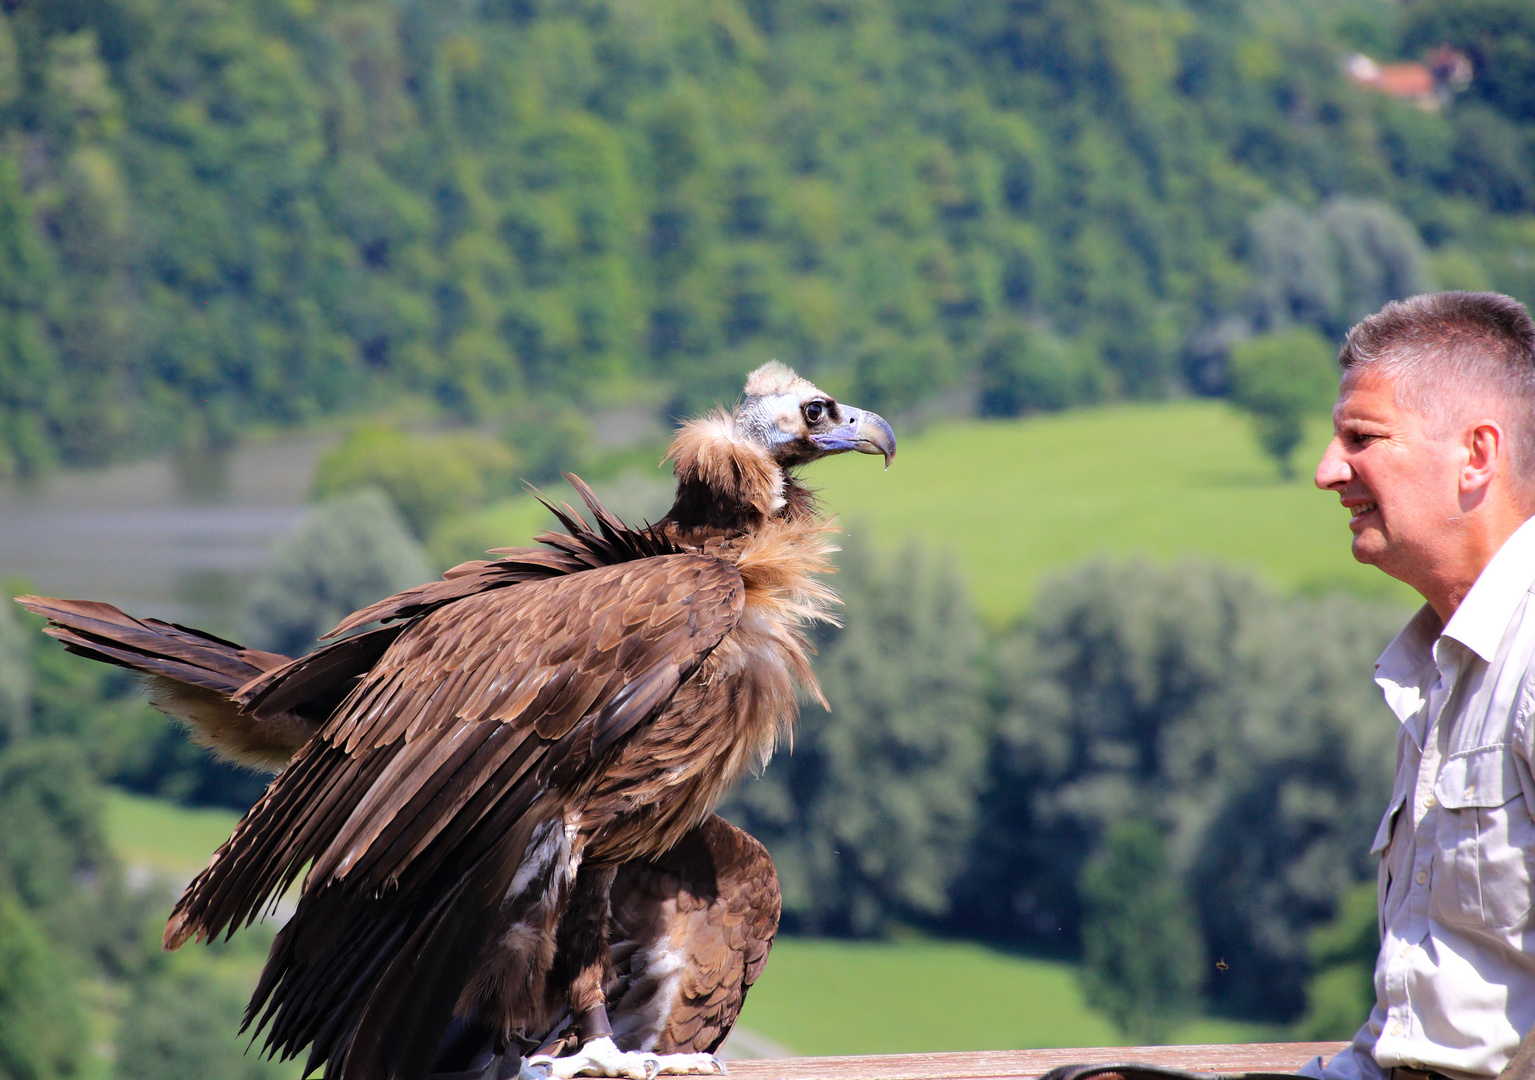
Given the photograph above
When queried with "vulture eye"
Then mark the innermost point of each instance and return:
(814, 411)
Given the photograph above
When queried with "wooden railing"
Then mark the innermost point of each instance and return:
(999, 1064)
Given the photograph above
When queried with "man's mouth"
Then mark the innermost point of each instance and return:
(1362, 508)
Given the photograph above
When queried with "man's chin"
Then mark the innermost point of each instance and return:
(1369, 548)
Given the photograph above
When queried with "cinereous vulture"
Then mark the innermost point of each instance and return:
(500, 798)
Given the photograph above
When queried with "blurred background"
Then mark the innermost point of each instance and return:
(296, 294)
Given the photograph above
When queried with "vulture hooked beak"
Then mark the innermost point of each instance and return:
(861, 430)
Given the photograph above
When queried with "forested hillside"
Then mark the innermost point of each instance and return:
(218, 213)
(505, 217)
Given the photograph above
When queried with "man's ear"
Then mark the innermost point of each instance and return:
(1486, 448)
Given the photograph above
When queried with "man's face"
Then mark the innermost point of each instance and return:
(1399, 481)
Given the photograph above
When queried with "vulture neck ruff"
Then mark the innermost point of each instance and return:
(735, 502)
(725, 483)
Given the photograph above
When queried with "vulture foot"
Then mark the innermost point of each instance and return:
(598, 1057)
(691, 1065)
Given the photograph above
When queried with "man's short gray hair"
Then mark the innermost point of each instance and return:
(1440, 345)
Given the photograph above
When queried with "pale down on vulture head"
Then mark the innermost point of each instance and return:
(499, 797)
(796, 423)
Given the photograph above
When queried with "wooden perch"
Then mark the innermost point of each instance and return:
(998, 1064)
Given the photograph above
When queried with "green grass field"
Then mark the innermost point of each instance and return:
(167, 839)
(1016, 500)
(838, 997)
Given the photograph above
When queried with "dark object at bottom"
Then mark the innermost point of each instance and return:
(472, 1052)
(1417, 1074)
(1520, 1067)
(1132, 1071)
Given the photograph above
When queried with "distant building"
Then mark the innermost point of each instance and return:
(1429, 86)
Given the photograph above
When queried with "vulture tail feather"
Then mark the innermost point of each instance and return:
(191, 675)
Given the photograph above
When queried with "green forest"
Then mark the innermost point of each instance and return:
(223, 214)
(458, 233)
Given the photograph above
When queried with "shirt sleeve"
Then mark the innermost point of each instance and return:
(1356, 1061)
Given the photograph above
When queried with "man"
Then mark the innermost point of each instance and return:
(1433, 456)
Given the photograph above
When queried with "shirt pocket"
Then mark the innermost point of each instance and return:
(1484, 840)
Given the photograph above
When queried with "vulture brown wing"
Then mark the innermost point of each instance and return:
(476, 711)
(690, 932)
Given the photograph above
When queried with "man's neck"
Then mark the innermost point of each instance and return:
(1447, 587)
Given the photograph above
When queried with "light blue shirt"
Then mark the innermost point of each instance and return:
(1455, 979)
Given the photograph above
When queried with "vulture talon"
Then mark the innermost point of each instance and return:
(692, 1065)
(600, 1057)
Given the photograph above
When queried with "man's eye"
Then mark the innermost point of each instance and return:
(814, 411)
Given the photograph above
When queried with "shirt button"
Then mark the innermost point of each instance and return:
(1398, 1029)
(1422, 878)
(1429, 803)
(1405, 950)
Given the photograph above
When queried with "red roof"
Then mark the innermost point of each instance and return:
(1405, 80)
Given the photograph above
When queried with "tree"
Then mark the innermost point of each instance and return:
(182, 1025)
(894, 371)
(427, 478)
(1281, 379)
(1499, 38)
(352, 552)
(42, 1030)
(248, 219)
(53, 834)
(15, 677)
(1489, 162)
(1380, 255)
(1341, 990)
(1316, 748)
(868, 816)
(27, 358)
(1244, 727)
(551, 439)
(1119, 697)
(1142, 960)
(1330, 269)
(1294, 270)
(1027, 369)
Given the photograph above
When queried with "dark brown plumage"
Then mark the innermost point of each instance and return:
(689, 933)
(520, 764)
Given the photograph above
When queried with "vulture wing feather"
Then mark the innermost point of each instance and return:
(691, 933)
(426, 782)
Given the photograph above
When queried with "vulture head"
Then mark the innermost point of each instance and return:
(795, 423)
(735, 470)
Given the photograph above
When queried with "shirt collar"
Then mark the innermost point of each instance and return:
(1482, 617)
(1406, 670)
(1401, 671)
(1411, 648)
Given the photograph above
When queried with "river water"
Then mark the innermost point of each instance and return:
(181, 537)
(175, 538)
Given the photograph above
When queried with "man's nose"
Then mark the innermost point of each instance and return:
(1332, 469)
